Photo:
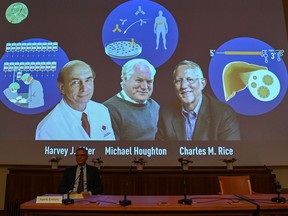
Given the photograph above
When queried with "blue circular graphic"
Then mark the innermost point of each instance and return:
(249, 75)
(29, 70)
(140, 29)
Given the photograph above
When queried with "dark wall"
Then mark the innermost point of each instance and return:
(285, 3)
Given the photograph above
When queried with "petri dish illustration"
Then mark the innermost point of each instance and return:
(123, 48)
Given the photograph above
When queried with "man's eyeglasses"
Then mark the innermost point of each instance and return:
(80, 155)
(188, 80)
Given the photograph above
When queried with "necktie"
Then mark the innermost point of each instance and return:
(80, 187)
(85, 123)
(190, 124)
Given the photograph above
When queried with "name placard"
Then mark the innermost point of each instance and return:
(76, 196)
(49, 199)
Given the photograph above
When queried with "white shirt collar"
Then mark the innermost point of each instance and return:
(124, 96)
(197, 108)
(74, 112)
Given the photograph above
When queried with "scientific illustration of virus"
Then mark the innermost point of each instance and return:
(267, 80)
(263, 92)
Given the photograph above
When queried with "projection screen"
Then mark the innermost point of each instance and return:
(241, 47)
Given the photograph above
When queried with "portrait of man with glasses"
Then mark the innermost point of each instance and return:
(195, 115)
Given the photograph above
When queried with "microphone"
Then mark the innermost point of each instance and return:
(125, 201)
(68, 200)
(185, 200)
(278, 189)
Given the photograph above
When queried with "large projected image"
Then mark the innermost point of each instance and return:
(153, 79)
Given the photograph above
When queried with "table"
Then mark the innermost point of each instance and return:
(265, 206)
(165, 181)
(204, 205)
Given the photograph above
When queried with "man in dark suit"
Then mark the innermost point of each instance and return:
(88, 184)
(197, 116)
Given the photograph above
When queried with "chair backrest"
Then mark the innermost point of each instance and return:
(235, 185)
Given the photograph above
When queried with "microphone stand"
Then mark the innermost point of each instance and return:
(185, 200)
(69, 200)
(278, 199)
(125, 201)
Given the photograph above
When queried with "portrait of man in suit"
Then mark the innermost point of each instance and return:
(195, 115)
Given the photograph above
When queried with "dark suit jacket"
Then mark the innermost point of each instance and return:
(215, 121)
(93, 180)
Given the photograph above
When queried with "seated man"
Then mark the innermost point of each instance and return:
(11, 92)
(82, 178)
